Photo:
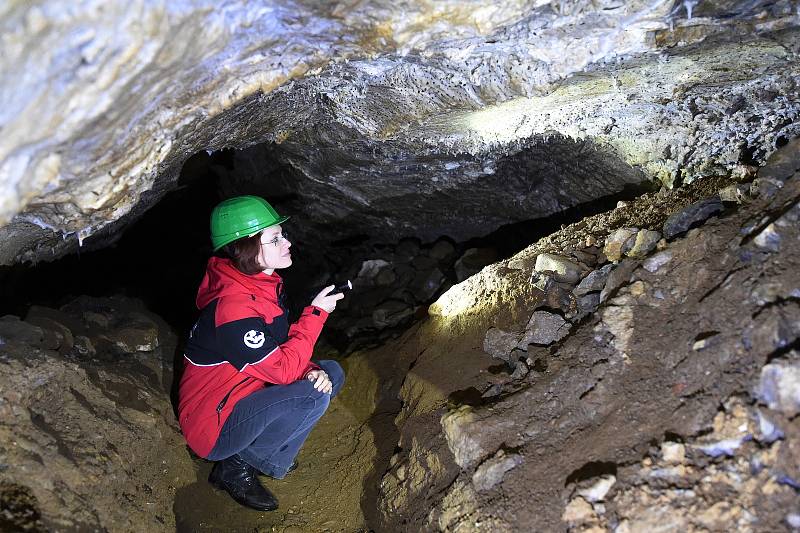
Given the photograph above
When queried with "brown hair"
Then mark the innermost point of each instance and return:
(244, 253)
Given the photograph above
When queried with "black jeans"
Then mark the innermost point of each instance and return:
(268, 427)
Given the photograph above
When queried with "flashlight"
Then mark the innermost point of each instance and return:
(341, 288)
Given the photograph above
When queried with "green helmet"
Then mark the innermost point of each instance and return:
(239, 217)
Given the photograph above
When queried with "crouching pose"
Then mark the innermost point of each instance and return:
(249, 395)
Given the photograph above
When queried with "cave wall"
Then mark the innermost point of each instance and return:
(104, 102)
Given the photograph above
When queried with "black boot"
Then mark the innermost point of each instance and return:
(239, 480)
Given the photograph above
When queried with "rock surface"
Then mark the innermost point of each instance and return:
(362, 104)
(88, 441)
(589, 410)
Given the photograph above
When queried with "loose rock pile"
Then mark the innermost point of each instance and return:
(396, 285)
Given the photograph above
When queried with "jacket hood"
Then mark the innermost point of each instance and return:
(224, 279)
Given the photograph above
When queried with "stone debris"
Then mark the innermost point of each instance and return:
(673, 453)
(736, 193)
(499, 343)
(691, 216)
(598, 490)
(12, 329)
(492, 471)
(768, 239)
(768, 431)
(442, 250)
(619, 243)
(595, 281)
(618, 277)
(560, 268)
(779, 387)
(544, 328)
(459, 430)
(645, 242)
(369, 271)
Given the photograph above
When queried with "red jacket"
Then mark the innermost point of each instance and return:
(241, 342)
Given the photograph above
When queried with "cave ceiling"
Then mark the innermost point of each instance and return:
(386, 117)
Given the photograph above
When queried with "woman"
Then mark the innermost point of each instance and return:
(249, 394)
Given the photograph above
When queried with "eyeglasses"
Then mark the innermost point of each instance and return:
(278, 238)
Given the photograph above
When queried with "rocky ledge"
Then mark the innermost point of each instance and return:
(642, 381)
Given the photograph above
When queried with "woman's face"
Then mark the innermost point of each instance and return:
(275, 251)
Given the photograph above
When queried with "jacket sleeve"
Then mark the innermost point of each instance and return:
(250, 347)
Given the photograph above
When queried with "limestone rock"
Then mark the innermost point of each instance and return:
(578, 511)
(491, 471)
(736, 193)
(370, 270)
(556, 295)
(499, 343)
(768, 239)
(544, 328)
(462, 440)
(595, 281)
(12, 329)
(597, 491)
(407, 248)
(391, 313)
(691, 216)
(426, 284)
(779, 387)
(619, 243)
(559, 267)
(645, 242)
(673, 452)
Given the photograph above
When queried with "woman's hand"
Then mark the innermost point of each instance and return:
(321, 380)
(325, 301)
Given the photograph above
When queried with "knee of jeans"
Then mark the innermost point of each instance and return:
(321, 399)
(334, 371)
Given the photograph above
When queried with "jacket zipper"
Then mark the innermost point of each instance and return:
(225, 399)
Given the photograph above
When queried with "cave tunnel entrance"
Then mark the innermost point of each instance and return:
(160, 258)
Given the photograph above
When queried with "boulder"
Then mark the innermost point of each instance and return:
(426, 284)
(652, 264)
(779, 387)
(691, 216)
(369, 271)
(391, 313)
(544, 328)
(645, 242)
(407, 248)
(595, 281)
(12, 329)
(559, 267)
(619, 243)
(499, 343)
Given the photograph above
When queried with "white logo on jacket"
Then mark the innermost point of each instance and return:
(254, 339)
